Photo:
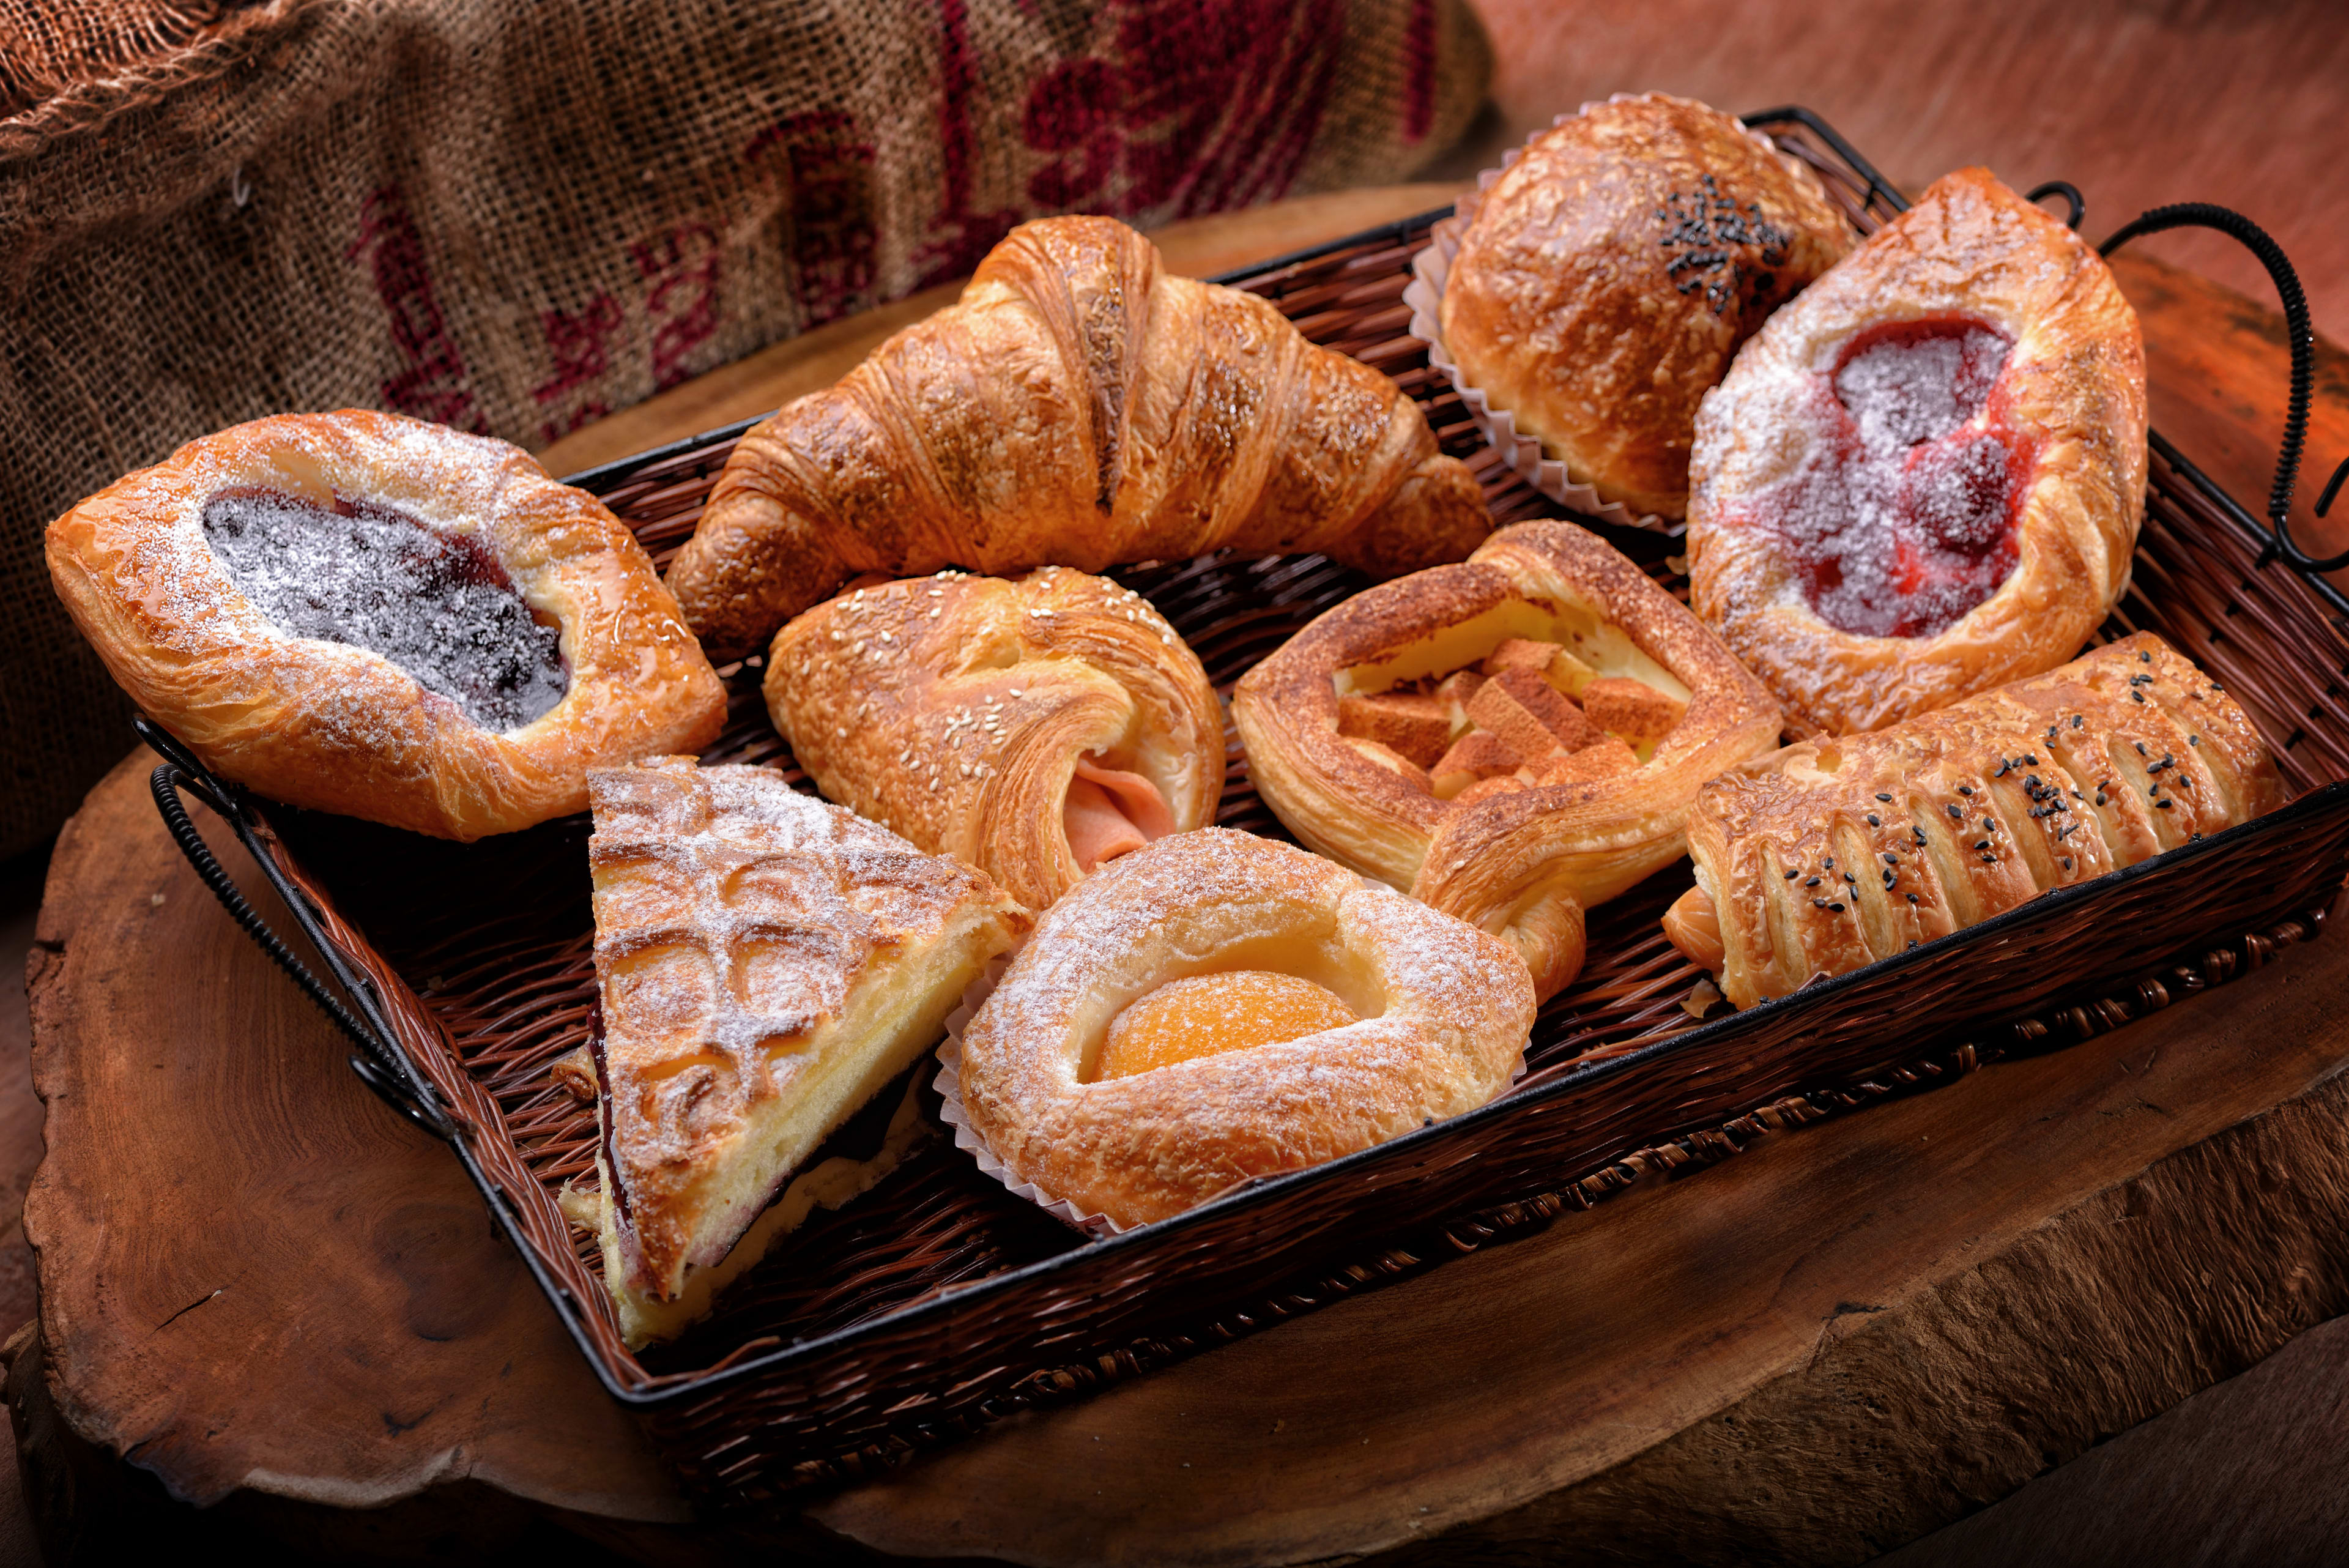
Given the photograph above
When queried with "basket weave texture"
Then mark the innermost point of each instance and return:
(938, 1302)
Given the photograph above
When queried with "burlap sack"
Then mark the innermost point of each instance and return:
(513, 216)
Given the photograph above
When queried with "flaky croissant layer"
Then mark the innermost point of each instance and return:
(1828, 856)
(1077, 407)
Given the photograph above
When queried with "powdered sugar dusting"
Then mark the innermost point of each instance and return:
(1445, 1012)
(437, 605)
(1901, 514)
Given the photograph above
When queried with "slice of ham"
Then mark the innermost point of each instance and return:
(1109, 813)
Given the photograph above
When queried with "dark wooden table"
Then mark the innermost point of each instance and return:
(262, 1291)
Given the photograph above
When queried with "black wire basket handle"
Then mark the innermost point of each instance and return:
(378, 1062)
(2280, 544)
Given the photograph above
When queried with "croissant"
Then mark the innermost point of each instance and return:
(1829, 854)
(1032, 729)
(1077, 407)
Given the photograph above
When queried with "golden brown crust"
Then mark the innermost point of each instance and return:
(341, 728)
(1077, 407)
(2116, 756)
(1605, 280)
(1526, 861)
(1443, 1009)
(754, 948)
(952, 710)
(2073, 385)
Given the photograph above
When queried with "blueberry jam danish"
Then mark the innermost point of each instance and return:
(375, 615)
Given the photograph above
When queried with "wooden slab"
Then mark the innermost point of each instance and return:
(257, 1277)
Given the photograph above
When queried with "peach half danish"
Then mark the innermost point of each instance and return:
(1034, 728)
(1511, 739)
(1219, 1007)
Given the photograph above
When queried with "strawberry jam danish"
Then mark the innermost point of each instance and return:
(384, 617)
(1923, 478)
(1219, 1007)
(1512, 740)
(1034, 729)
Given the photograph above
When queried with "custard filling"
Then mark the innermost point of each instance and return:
(1207, 1015)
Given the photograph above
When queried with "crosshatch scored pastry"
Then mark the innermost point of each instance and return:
(1033, 728)
(1832, 854)
(766, 964)
(1513, 739)
(1924, 477)
(1220, 1007)
(381, 617)
(1604, 281)
(1079, 406)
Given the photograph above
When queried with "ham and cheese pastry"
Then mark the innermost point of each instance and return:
(1512, 740)
(1924, 477)
(1219, 1007)
(1034, 729)
(1831, 855)
(766, 964)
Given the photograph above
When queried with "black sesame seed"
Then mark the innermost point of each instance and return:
(2076, 720)
(1954, 812)
(2137, 696)
(1792, 874)
(1984, 844)
(1881, 795)
(1912, 898)
(2067, 863)
(2140, 749)
(2145, 656)
(1835, 908)
(1827, 861)
(2193, 739)
(1872, 821)
(1890, 878)
(1919, 833)
(1818, 903)
(1810, 881)
(1890, 858)
(2164, 804)
(2100, 797)
(2031, 762)
(1965, 789)
(1850, 879)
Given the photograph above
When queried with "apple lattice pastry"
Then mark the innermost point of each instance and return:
(1511, 739)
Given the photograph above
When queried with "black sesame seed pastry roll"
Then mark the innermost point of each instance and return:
(1829, 854)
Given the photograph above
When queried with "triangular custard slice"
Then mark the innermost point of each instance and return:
(767, 962)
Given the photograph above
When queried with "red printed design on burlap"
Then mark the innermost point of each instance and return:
(1193, 106)
(680, 270)
(434, 385)
(580, 342)
(835, 242)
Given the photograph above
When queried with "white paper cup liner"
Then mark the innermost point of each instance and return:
(948, 1083)
(1523, 453)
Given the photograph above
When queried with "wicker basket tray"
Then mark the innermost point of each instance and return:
(938, 1303)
